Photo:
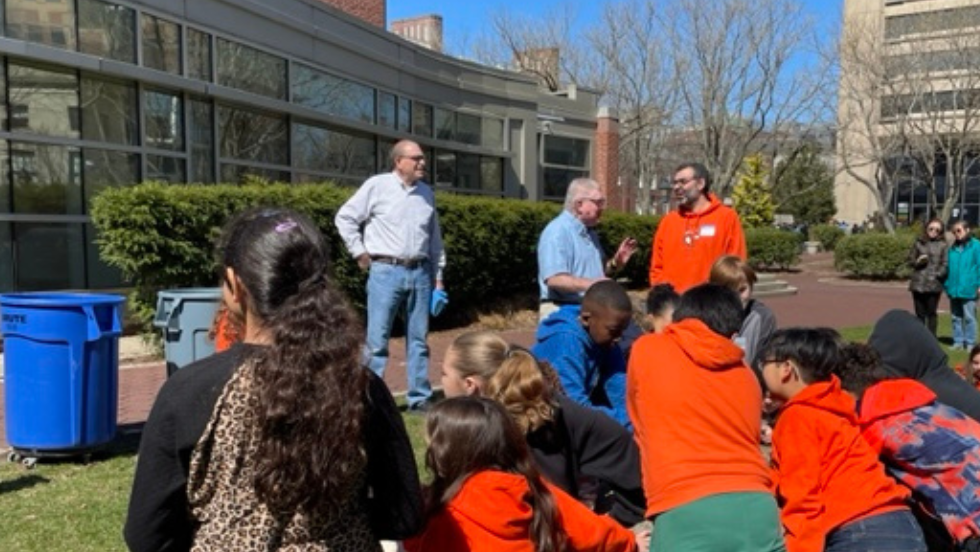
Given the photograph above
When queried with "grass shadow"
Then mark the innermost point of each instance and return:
(21, 483)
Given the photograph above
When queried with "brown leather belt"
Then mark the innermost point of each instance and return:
(407, 263)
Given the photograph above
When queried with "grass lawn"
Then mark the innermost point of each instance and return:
(77, 507)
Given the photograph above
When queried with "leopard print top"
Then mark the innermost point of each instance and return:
(224, 505)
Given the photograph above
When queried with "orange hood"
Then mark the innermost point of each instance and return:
(704, 347)
(825, 395)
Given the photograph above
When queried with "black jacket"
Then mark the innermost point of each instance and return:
(581, 442)
(908, 350)
(929, 273)
(159, 516)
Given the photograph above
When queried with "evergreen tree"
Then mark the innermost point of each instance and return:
(751, 194)
(805, 189)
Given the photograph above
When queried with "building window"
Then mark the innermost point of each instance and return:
(198, 55)
(332, 95)
(492, 175)
(468, 129)
(46, 179)
(57, 29)
(161, 44)
(251, 70)
(108, 169)
(445, 121)
(19, 116)
(445, 169)
(387, 110)
(200, 122)
(240, 174)
(109, 111)
(467, 171)
(564, 160)
(44, 90)
(49, 256)
(164, 121)
(165, 169)
(404, 115)
(107, 30)
(329, 150)
(493, 133)
(422, 119)
(252, 136)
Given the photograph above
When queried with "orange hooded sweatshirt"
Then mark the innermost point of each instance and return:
(686, 244)
(696, 411)
(489, 514)
(824, 473)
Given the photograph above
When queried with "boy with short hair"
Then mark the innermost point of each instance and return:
(930, 447)
(696, 409)
(580, 344)
(834, 493)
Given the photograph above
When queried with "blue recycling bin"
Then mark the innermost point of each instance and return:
(61, 364)
(185, 316)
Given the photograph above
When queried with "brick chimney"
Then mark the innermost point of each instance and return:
(374, 12)
(605, 160)
(424, 30)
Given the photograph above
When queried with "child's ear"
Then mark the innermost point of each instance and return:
(787, 372)
(584, 316)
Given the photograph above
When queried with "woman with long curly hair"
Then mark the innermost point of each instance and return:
(569, 443)
(487, 496)
(284, 441)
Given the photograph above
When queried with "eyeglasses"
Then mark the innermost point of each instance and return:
(599, 202)
(416, 158)
(933, 229)
(683, 181)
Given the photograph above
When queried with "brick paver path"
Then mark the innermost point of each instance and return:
(824, 299)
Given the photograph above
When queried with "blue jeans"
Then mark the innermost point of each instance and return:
(891, 532)
(964, 314)
(392, 289)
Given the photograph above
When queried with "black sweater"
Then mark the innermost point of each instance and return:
(583, 442)
(159, 515)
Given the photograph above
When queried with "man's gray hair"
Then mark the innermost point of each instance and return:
(575, 191)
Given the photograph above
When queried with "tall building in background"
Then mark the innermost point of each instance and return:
(909, 108)
(424, 30)
(104, 93)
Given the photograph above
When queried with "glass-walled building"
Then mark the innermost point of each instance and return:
(95, 94)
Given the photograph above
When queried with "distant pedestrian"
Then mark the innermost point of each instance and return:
(963, 284)
(929, 262)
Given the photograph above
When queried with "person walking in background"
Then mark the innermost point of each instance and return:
(962, 285)
(929, 261)
(487, 496)
(689, 240)
(284, 441)
(391, 227)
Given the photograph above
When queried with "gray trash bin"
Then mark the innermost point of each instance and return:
(185, 316)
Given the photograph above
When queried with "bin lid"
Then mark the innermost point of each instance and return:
(191, 293)
(55, 299)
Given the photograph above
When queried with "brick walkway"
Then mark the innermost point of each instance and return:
(824, 299)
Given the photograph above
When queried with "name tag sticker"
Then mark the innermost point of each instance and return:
(707, 230)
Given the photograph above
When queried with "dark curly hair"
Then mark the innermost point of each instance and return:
(860, 368)
(816, 351)
(468, 435)
(311, 385)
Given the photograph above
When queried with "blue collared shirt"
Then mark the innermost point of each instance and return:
(568, 246)
(399, 221)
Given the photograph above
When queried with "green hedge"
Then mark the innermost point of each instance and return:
(827, 234)
(772, 247)
(874, 255)
(161, 236)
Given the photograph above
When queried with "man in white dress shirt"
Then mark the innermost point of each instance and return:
(391, 227)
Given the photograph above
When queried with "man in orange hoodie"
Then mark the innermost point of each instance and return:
(690, 239)
(834, 493)
(696, 411)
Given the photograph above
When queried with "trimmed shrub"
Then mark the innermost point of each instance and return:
(773, 248)
(827, 234)
(877, 255)
(162, 236)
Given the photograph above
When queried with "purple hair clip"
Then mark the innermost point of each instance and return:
(286, 226)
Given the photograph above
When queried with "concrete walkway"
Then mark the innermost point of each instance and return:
(824, 299)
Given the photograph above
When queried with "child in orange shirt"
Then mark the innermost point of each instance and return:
(487, 496)
(833, 492)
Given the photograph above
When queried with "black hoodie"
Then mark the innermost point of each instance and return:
(908, 350)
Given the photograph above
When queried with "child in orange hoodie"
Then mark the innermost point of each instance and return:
(833, 491)
(487, 496)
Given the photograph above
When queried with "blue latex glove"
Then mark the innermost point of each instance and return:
(439, 301)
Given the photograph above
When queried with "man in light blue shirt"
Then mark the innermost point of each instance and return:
(401, 247)
(570, 257)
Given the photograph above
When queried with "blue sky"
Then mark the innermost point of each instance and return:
(463, 18)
